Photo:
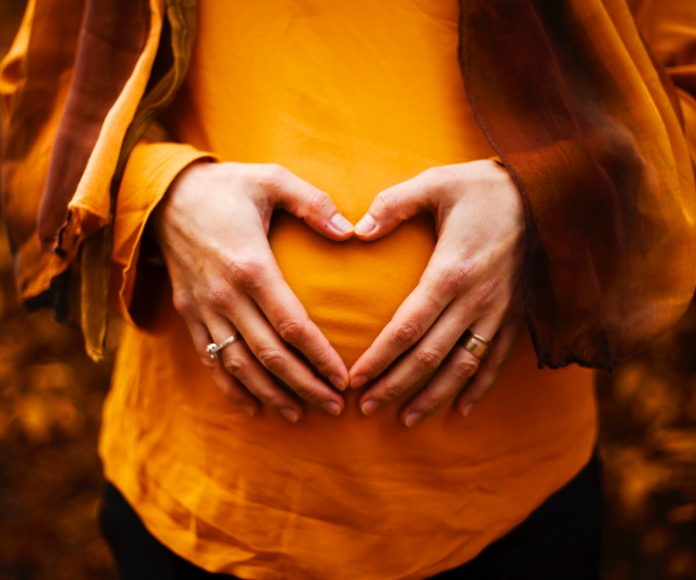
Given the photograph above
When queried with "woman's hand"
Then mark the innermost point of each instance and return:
(471, 282)
(212, 228)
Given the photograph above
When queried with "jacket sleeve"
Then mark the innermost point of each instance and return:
(81, 85)
(150, 170)
(589, 125)
(669, 29)
(35, 80)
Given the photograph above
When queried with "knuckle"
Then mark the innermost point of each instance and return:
(457, 276)
(479, 392)
(432, 176)
(273, 174)
(183, 303)
(321, 360)
(218, 294)
(431, 173)
(234, 363)
(465, 367)
(484, 295)
(428, 403)
(271, 358)
(246, 272)
(319, 203)
(408, 333)
(386, 203)
(229, 392)
(428, 360)
(291, 330)
(449, 285)
(210, 364)
(306, 392)
(391, 391)
(272, 399)
(436, 180)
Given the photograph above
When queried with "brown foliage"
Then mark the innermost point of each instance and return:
(648, 438)
(50, 407)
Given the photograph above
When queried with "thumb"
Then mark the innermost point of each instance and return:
(314, 206)
(392, 206)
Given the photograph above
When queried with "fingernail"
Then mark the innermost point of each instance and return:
(357, 382)
(290, 414)
(341, 224)
(412, 418)
(248, 408)
(365, 225)
(332, 407)
(369, 407)
(466, 410)
(338, 382)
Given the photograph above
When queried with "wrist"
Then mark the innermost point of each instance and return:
(162, 213)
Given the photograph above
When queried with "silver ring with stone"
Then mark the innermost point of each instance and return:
(214, 350)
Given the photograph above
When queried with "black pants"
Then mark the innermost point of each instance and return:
(560, 540)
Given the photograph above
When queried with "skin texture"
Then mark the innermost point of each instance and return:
(471, 281)
(225, 279)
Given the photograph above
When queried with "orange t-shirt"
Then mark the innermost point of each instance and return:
(352, 97)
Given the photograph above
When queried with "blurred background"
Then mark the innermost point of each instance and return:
(50, 476)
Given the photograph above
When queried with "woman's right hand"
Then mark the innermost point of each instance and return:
(212, 228)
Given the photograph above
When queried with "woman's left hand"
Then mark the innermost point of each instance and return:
(471, 282)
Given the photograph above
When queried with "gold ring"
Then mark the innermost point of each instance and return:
(214, 350)
(475, 344)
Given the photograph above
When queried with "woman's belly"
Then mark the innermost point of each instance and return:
(351, 289)
(353, 98)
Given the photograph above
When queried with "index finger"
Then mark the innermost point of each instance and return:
(286, 314)
(410, 322)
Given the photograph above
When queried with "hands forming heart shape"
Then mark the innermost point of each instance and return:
(226, 281)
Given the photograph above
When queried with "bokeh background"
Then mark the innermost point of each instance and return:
(51, 396)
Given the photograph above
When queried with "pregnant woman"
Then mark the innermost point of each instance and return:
(298, 397)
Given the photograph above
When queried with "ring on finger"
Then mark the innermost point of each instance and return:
(475, 344)
(214, 350)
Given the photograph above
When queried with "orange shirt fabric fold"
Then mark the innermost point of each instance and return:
(352, 97)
